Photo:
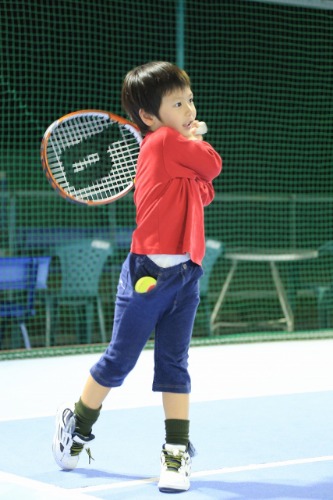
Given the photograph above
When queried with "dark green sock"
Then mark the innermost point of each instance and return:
(85, 418)
(177, 431)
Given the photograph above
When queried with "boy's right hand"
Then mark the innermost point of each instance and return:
(198, 129)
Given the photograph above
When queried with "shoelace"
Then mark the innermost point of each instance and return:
(173, 462)
(89, 455)
(77, 448)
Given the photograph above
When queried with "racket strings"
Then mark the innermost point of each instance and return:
(123, 155)
(68, 135)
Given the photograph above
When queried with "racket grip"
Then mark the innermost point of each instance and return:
(202, 129)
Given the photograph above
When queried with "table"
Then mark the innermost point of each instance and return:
(270, 257)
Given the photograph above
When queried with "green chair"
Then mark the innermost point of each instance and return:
(81, 267)
(321, 287)
(214, 249)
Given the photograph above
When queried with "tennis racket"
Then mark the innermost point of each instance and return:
(90, 156)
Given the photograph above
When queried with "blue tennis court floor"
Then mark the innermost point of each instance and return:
(260, 421)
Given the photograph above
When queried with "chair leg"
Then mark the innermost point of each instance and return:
(80, 312)
(101, 319)
(25, 336)
(48, 309)
(52, 320)
(204, 315)
(1, 335)
(89, 321)
(324, 306)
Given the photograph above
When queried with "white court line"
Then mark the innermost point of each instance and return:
(213, 472)
(47, 490)
(269, 465)
(55, 492)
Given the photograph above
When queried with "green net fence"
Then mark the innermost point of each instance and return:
(261, 74)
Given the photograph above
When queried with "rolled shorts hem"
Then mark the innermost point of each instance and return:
(179, 389)
(103, 383)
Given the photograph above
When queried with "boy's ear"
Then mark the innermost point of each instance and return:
(147, 118)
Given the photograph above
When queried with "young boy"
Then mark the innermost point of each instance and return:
(173, 183)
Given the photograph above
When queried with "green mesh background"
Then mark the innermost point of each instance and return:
(262, 78)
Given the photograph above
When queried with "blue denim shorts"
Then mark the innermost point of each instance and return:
(168, 309)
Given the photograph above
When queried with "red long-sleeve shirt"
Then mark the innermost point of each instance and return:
(173, 183)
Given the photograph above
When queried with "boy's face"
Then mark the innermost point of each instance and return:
(177, 111)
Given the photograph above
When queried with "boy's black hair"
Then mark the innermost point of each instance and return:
(146, 85)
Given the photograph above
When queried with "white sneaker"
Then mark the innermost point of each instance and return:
(68, 444)
(175, 469)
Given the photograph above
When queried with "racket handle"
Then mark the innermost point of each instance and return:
(202, 129)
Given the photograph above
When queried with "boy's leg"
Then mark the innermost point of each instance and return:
(175, 455)
(177, 424)
(134, 321)
(176, 406)
(172, 341)
(93, 393)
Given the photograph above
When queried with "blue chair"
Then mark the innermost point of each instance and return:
(19, 279)
(214, 249)
(43, 266)
(81, 267)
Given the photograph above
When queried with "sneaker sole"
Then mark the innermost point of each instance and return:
(173, 487)
(169, 489)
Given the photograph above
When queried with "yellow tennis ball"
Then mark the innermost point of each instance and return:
(145, 284)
